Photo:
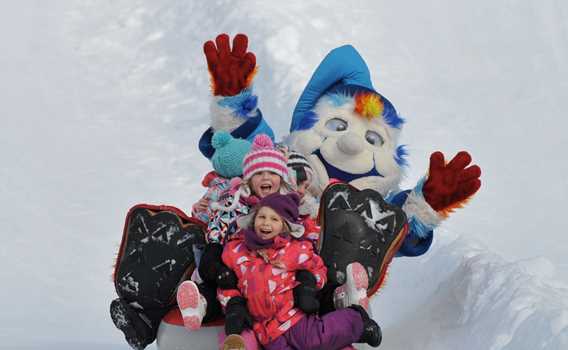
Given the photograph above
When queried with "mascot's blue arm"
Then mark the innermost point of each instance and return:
(419, 237)
(242, 107)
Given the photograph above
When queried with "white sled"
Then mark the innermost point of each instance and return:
(172, 335)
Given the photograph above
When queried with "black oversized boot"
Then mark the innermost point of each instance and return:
(155, 255)
(372, 334)
(359, 226)
(138, 331)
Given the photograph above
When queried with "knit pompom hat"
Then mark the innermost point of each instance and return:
(229, 154)
(263, 156)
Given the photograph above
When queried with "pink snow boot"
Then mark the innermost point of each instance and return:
(354, 291)
(191, 304)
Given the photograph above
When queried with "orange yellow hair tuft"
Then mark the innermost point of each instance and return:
(368, 105)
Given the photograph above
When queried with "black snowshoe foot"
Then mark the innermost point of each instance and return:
(359, 226)
(156, 254)
(372, 333)
(137, 332)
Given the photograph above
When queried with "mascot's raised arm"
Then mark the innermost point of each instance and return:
(234, 106)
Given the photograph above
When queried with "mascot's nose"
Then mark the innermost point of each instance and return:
(350, 143)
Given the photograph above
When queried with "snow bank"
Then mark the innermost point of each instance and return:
(462, 296)
(104, 103)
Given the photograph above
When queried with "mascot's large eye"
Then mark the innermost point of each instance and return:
(336, 124)
(374, 138)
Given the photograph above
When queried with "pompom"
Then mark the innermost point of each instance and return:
(221, 139)
(262, 141)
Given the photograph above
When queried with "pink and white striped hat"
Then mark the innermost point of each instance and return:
(263, 156)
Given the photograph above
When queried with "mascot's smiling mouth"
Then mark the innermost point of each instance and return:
(336, 173)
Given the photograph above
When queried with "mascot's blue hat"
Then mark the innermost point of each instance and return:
(343, 70)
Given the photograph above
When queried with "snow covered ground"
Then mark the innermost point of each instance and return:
(102, 104)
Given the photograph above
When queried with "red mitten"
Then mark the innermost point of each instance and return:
(449, 185)
(231, 70)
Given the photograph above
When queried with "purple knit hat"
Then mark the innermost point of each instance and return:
(285, 205)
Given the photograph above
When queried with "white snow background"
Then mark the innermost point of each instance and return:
(102, 104)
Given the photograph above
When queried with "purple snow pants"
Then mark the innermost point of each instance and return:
(333, 331)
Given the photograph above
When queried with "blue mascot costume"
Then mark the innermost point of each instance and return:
(349, 135)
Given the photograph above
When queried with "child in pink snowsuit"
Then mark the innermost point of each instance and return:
(264, 172)
(268, 262)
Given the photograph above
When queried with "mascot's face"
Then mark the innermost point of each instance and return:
(352, 142)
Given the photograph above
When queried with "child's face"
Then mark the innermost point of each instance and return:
(302, 188)
(267, 223)
(264, 183)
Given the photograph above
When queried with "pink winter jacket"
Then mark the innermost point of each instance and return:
(267, 278)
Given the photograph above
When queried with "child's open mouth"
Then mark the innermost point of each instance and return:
(264, 233)
(266, 189)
